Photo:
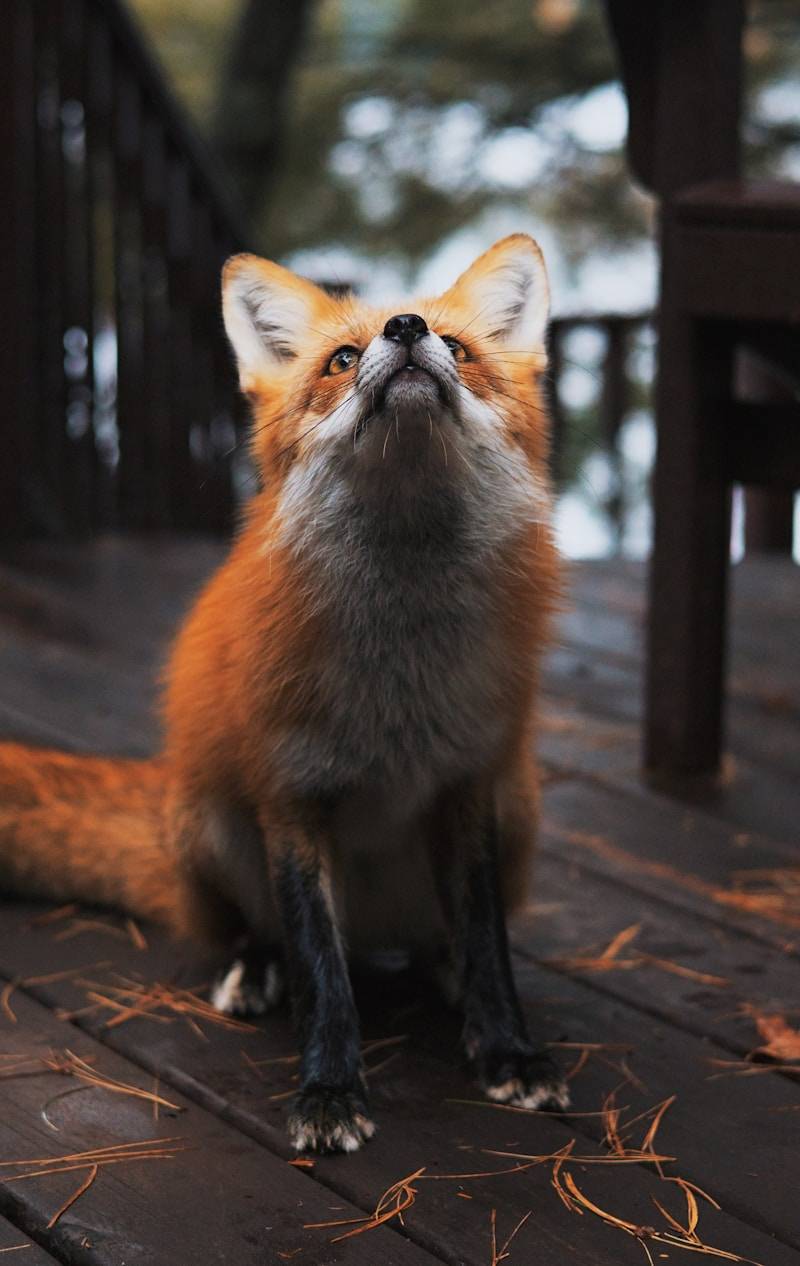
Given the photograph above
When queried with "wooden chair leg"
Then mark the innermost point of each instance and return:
(769, 512)
(688, 580)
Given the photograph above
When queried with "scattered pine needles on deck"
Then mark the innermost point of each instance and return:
(134, 999)
(68, 1064)
(398, 1198)
(779, 1051)
(89, 1162)
(610, 959)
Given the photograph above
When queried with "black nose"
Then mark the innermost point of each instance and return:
(405, 328)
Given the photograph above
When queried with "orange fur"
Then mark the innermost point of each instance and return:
(247, 665)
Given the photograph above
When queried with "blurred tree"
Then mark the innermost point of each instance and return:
(250, 116)
(400, 107)
(386, 127)
(404, 120)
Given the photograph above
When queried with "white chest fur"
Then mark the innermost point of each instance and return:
(406, 692)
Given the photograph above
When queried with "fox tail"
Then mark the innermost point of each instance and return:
(88, 829)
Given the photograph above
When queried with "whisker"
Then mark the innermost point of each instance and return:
(444, 445)
(318, 423)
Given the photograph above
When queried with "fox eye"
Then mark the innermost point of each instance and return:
(459, 352)
(342, 360)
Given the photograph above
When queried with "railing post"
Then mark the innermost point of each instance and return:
(613, 406)
(75, 239)
(20, 481)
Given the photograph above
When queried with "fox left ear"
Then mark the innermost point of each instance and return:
(508, 289)
(267, 310)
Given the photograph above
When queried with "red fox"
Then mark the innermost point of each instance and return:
(350, 704)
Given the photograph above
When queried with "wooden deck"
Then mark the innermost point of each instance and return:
(671, 1015)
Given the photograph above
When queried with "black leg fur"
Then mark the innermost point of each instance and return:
(510, 1068)
(329, 1113)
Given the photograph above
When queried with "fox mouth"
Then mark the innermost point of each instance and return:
(412, 383)
(412, 387)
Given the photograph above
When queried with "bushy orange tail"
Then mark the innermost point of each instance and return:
(86, 828)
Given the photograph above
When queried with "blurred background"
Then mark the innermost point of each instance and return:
(377, 144)
(384, 144)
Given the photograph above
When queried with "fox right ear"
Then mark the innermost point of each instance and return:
(508, 291)
(267, 310)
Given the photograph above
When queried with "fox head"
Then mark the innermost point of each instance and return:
(395, 394)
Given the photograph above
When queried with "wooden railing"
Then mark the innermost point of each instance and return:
(118, 395)
(119, 403)
(594, 424)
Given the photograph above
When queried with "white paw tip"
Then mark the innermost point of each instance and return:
(348, 1140)
(226, 994)
(515, 1093)
(342, 1138)
(505, 1091)
(366, 1126)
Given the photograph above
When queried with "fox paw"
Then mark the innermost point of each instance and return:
(248, 988)
(525, 1080)
(324, 1119)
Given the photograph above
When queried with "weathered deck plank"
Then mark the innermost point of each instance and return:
(675, 854)
(418, 1126)
(221, 1198)
(82, 634)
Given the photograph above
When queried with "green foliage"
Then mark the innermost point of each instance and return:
(410, 121)
(441, 77)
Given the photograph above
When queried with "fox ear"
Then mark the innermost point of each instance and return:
(267, 310)
(508, 289)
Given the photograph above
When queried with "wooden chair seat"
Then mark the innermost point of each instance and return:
(736, 251)
(771, 204)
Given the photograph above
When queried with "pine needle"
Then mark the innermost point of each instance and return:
(78, 926)
(68, 1064)
(53, 916)
(647, 1141)
(160, 1002)
(555, 1178)
(500, 1256)
(31, 981)
(609, 960)
(619, 942)
(610, 1218)
(528, 1112)
(630, 1157)
(136, 934)
(76, 1195)
(744, 1068)
(392, 1204)
(168, 1144)
(78, 1067)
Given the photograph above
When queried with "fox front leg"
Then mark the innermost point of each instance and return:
(329, 1112)
(509, 1066)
